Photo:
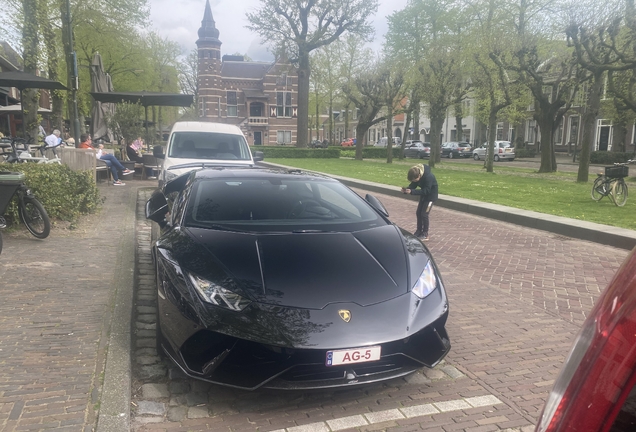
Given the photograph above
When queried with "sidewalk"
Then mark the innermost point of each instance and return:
(65, 312)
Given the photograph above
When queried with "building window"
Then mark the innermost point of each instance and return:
(531, 132)
(283, 104)
(574, 130)
(231, 104)
(283, 137)
(500, 131)
(558, 134)
(202, 107)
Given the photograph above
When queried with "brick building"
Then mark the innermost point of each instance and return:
(261, 98)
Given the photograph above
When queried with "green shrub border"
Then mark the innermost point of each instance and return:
(295, 152)
(608, 158)
(64, 193)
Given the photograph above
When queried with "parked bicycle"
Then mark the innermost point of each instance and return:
(612, 184)
(30, 210)
(17, 150)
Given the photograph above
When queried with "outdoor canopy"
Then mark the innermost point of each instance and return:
(146, 99)
(24, 80)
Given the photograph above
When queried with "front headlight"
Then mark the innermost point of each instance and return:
(217, 295)
(426, 283)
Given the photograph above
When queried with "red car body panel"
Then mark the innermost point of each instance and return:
(599, 373)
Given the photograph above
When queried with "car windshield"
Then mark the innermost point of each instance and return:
(208, 145)
(275, 204)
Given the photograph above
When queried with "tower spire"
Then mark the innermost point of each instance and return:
(208, 31)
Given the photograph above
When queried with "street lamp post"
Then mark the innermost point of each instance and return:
(75, 125)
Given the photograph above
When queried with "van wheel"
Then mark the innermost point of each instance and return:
(496, 158)
(476, 156)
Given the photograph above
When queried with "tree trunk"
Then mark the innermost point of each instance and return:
(331, 119)
(302, 106)
(389, 133)
(589, 120)
(346, 128)
(30, 97)
(619, 135)
(52, 66)
(437, 121)
(546, 126)
(492, 126)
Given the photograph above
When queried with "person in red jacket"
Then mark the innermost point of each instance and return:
(109, 159)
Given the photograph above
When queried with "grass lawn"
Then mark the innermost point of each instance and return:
(555, 193)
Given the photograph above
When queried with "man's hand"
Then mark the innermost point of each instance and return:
(406, 191)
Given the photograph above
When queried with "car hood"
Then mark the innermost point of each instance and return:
(303, 270)
(169, 163)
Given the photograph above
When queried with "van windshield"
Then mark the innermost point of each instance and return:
(208, 145)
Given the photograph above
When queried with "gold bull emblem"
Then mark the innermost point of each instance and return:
(345, 315)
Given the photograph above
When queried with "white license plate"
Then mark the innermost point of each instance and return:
(354, 355)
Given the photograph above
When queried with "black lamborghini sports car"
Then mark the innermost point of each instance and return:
(290, 280)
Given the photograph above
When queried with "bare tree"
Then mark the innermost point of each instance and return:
(301, 26)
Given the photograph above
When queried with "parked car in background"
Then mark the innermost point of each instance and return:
(504, 150)
(239, 304)
(349, 142)
(456, 149)
(382, 142)
(318, 144)
(595, 390)
(417, 149)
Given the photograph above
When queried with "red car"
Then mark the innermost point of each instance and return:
(595, 390)
(349, 142)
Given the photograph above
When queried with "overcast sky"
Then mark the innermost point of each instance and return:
(179, 21)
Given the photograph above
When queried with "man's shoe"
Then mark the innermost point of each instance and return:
(126, 172)
(119, 183)
(418, 233)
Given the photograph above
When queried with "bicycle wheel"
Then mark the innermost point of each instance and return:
(35, 217)
(598, 189)
(619, 192)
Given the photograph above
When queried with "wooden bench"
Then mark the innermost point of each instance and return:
(80, 160)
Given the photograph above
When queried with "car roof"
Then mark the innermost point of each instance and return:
(197, 126)
(261, 173)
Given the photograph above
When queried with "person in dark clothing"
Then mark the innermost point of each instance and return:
(133, 154)
(422, 177)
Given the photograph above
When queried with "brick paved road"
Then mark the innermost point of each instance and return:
(517, 298)
(54, 317)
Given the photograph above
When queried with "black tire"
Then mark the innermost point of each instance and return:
(476, 156)
(496, 158)
(450, 155)
(421, 155)
(35, 217)
(597, 189)
(619, 193)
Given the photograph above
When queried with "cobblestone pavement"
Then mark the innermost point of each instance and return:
(55, 314)
(517, 297)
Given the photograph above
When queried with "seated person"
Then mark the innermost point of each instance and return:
(109, 159)
(133, 153)
(54, 139)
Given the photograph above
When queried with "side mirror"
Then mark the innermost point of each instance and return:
(157, 208)
(157, 151)
(258, 156)
(376, 204)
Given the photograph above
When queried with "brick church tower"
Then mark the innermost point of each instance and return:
(209, 67)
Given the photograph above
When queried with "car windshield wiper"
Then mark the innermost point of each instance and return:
(205, 165)
(310, 231)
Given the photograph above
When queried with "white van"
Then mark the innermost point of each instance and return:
(382, 142)
(193, 144)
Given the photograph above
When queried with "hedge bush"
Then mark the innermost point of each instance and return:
(525, 153)
(371, 152)
(608, 158)
(295, 152)
(64, 193)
